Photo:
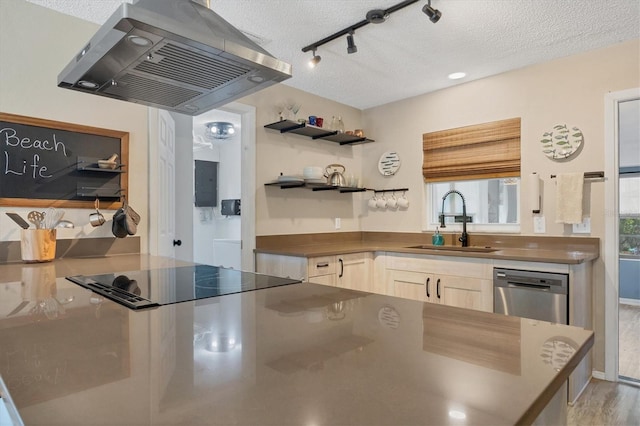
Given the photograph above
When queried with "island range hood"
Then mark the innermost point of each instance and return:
(172, 54)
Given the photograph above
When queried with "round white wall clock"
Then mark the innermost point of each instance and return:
(389, 163)
(561, 142)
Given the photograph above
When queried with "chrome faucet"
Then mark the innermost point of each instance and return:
(464, 238)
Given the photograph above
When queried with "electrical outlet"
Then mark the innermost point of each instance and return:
(584, 227)
(338, 224)
(538, 225)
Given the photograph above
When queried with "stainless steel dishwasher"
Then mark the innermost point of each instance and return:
(531, 294)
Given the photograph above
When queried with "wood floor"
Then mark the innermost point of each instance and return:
(629, 336)
(606, 404)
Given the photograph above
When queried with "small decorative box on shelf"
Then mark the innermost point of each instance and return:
(303, 129)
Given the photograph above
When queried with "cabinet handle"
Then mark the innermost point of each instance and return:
(427, 285)
(341, 268)
(438, 288)
(321, 265)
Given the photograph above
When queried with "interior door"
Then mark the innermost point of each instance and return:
(166, 177)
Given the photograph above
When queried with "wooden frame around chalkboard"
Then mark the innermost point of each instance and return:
(80, 129)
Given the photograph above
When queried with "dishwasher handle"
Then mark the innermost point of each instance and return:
(515, 284)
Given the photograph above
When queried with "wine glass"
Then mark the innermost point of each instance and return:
(293, 108)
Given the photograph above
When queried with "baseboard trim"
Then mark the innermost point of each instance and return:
(598, 375)
(632, 302)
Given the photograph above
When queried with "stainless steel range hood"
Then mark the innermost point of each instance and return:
(171, 54)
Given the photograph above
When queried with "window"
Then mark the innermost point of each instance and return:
(488, 202)
(483, 163)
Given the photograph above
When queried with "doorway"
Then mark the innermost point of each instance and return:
(622, 232)
(216, 147)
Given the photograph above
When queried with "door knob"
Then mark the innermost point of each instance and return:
(177, 242)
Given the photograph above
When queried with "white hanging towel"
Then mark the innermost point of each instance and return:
(569, 189)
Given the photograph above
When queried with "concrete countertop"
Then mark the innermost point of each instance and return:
(298, 354)
(504, 253)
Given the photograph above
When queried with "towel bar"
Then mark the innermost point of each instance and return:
(588, 175)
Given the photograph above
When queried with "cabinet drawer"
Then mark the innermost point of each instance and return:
(446, 265)
(324, 265)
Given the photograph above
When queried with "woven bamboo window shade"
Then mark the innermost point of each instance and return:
(482, 151)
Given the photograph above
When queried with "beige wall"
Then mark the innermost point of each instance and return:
(569, 90)
(35, 45)
(286, 211)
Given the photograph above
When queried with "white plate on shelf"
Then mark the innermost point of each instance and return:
(290, 179)
(322, 181)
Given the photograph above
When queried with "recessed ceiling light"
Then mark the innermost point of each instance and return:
(457, 75)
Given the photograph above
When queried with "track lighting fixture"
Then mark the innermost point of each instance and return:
(314, 60)
(433, 14)
(375, 16)
(351, 45)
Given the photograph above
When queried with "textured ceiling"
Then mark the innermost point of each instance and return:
(408, 55)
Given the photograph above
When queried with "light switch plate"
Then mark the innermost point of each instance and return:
(584, 227)
(539, 225)
(338, 224)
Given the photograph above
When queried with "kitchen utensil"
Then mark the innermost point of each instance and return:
(65, 224)
(51, 217)
(36, 218)
(109, 163)
(132, 218)
(19, 220)
(96, 219)
(382, 202)
(118, 225)
(334, 177)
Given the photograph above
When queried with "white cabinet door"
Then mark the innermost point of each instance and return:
(412, 285)
(354, 271)
(465, 292)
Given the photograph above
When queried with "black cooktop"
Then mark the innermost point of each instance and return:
(164, 286)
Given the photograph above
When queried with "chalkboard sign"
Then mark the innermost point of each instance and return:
(50, 163)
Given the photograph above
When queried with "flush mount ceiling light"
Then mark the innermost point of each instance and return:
(220, 130)
(351, 45)
(314, 60)
(375, 16)
(433, 14)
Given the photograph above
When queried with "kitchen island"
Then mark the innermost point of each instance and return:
(296, 354)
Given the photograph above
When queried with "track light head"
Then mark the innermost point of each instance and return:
(351, 45)
(433, 14)
(377, 16)
(315, 60)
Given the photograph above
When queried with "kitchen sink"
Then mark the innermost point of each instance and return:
(455, 248)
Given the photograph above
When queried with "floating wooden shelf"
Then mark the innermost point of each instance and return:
(315, 186)
(313, 132)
